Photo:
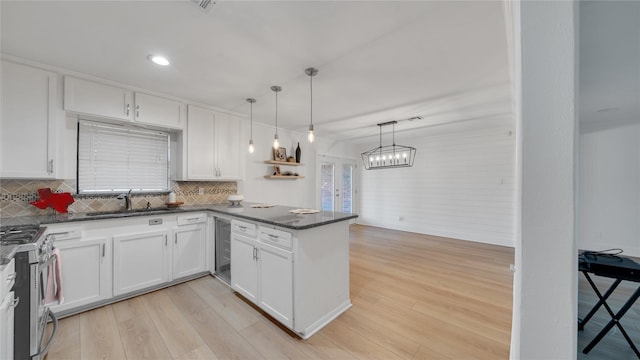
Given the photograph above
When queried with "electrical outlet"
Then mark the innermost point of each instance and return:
(200, 191)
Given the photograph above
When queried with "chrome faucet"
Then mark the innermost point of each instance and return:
(127, 200)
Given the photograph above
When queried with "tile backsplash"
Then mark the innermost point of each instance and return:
(15, 196)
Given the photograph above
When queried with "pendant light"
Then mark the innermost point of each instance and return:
(251, 101)
(311, 72)
(389, 156)
(276, 89)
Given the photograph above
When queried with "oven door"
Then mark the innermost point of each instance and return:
(40, 313)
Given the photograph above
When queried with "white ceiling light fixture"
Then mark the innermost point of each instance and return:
(276, 89)
(159, 60)
(311, 72)
(389, 156)
(251, 101)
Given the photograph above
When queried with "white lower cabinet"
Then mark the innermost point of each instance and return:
(190, 244)
(7, 306)
(85, 271)
(275, 279)
(244, 269)
(140, 260)
(263, 273)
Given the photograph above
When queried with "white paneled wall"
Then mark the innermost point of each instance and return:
(609, 195)
(461, 186)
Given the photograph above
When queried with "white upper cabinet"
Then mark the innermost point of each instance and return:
(113, 102)
(200, 144)
(92, 98)
(156, 110)
(228, 146)
(28, 122)
(213, 145)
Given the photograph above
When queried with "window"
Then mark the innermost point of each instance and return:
(114, 159)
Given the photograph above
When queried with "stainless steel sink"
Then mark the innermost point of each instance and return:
(119, 213)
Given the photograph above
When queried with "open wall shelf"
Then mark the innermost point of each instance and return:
(283, 177)
(283, 163)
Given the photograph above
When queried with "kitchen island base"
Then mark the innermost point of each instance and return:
(298, 277)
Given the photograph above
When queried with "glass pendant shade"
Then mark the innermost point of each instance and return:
(310, 136)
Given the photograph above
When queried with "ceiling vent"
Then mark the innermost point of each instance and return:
(205, 5)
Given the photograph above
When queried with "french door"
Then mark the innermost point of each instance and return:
(337, 184)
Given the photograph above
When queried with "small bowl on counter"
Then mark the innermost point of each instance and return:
(235, 199)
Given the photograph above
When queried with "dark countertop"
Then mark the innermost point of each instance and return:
(277, 215)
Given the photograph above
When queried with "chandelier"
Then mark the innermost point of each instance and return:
(389, 156)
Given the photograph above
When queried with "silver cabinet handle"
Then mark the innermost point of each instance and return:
(50, 167)
(128, 108)
(176, 239)
(103, 249)
(165, 239)
(257, 254)
(137, 111)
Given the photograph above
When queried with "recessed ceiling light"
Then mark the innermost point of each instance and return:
(158, 59)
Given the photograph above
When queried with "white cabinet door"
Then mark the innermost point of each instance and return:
(227, 147)
(89, 97)
(159, 111)
(189, 250)
(7, 306)
(200, 144)
(244, 272)
(28, 122)
(140, 260)
(85, 272)
(213, 145)
(275, 278)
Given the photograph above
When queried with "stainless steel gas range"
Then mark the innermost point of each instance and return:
(32, 260)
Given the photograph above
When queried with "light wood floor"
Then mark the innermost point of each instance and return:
(613, 345)
(414, 297)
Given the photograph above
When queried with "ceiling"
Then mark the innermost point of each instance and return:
(445, 61)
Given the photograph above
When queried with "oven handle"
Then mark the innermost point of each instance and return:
(47, 262)
(54, 319)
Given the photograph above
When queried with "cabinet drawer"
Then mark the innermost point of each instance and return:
(241, 227)
(192, 219)
(7, 276)
(276, 237)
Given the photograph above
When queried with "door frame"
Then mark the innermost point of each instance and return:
(355, 181)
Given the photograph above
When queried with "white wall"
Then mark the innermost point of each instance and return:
(298, 193)
(461, 186)
(609, 192)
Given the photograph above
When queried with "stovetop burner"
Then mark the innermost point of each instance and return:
(20, 234)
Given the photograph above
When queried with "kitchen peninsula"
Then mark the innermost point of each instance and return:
(295, 267)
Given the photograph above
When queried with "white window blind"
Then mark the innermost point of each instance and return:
(114, 158)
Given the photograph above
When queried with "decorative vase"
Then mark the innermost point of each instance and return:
(298, 153)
